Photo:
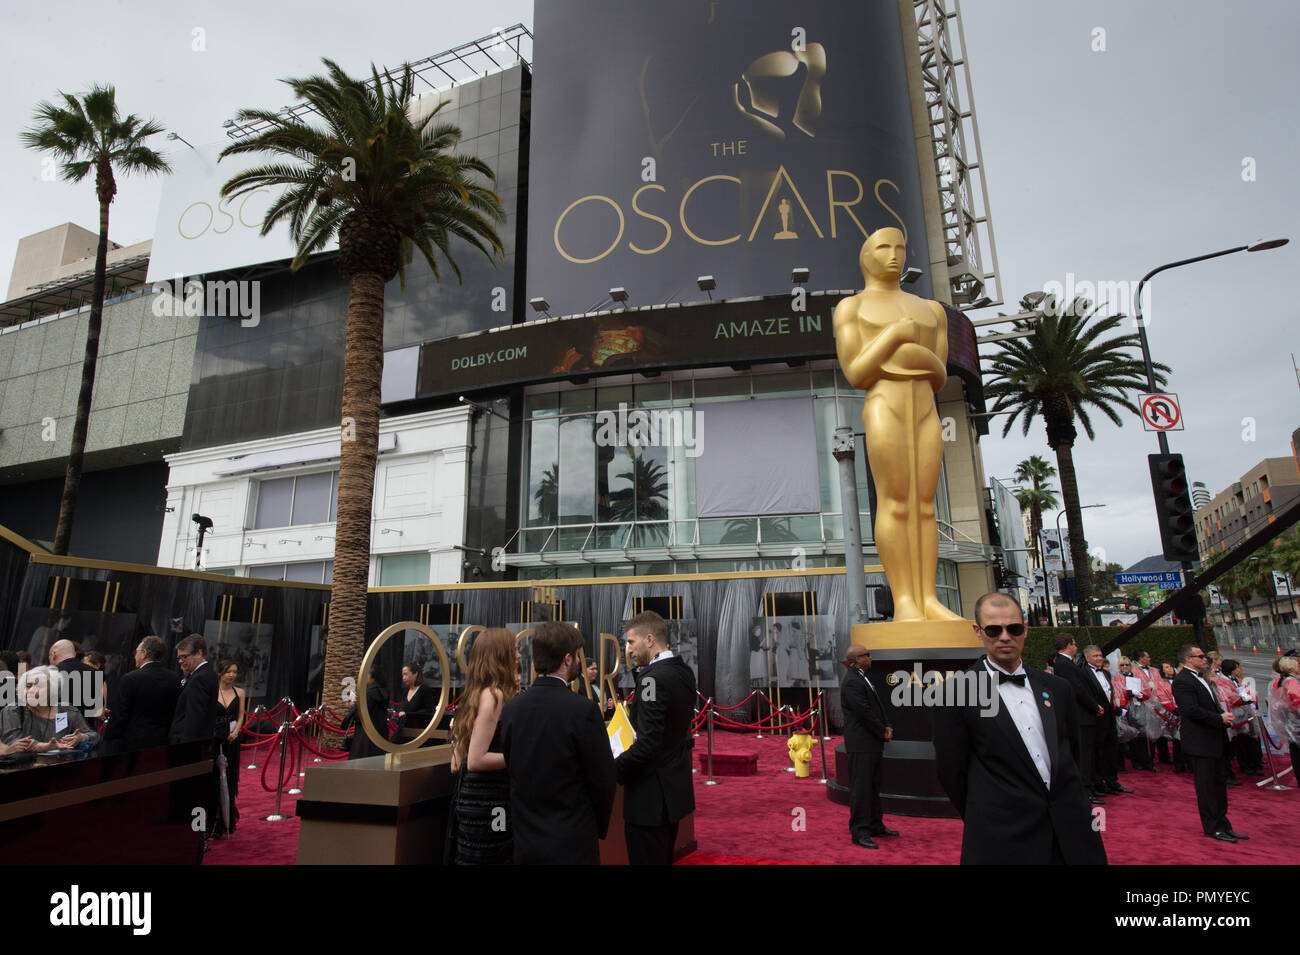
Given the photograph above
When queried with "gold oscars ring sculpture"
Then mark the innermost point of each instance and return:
(363, 714)
(894, 346)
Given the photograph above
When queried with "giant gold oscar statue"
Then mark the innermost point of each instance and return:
(894, 346)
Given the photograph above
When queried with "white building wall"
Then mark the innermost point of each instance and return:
(419, 504)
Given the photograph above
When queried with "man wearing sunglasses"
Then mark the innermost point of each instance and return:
(1205, 723)
(1012, 771)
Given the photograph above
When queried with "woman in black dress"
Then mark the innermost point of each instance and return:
(482, 803)
(376, 703)
(230, 720)
(421, 702)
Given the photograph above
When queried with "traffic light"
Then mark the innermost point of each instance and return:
(1173, 507)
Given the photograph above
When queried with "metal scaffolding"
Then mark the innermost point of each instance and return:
(967, 228)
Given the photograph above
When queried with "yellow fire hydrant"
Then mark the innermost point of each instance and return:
(800, 747)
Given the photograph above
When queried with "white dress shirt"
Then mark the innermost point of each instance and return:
(1104, 679)
(1023, 709)
(1209, 689)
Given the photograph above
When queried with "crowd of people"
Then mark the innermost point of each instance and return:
(1078, 725)
(534, 771)
(60, 707)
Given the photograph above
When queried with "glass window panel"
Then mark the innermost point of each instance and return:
(651, 478)
(651, 535)
(722, 389)
(685, 532)
(577, 491)
(657, 568)
(826, 414)
(823, 382)
(573, 538)
(397, 570)
(267, 572)
(273, 503)
(610, 398)
(334, 499)
(729, 530)
(329, 572)
(941, 509)
(534, 541)
(577, 401)
(834, 524)
(311, 499)
(653, 394)
(792, 384)
(612, 537)
(540, 405)
(544, 472)
(307, 572)
(779, 530)
(614, 485)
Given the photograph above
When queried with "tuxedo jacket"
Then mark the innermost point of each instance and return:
(1202, 730)
(865, 716)
(196, 707)
(146, 703)
(1011, 817)
(561, 775)
(1087, 691)
(656, 770)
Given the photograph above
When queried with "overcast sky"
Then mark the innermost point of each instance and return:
(1179, 138)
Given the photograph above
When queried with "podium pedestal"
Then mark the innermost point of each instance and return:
(366, 812)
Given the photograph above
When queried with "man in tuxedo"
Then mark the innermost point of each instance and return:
(1089, 706)
(557, 755)
(866, 730)
(656, 770)
(82, 683)
(146, 701)
(1011, 772)
(1205, 732)
(1106, 755)
(195, 715)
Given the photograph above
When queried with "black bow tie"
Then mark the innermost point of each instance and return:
(1017, 678)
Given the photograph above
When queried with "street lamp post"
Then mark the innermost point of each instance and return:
(1198, 626)
(1060, 543)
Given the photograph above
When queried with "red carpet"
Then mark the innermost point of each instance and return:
(755, 821)
(257, 842)
(752, 820)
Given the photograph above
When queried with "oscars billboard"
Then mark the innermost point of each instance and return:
(691, 137)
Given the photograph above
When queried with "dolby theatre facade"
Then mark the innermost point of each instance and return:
(635, 409)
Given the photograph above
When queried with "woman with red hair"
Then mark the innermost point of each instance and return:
(481, 805)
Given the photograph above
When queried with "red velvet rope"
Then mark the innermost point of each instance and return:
(717, 707)
(290, 762)
(337, 754)
(262, 737)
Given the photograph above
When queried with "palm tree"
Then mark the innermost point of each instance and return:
(1060, 371)
(384, 183)
(1036, 498)
(85, 135)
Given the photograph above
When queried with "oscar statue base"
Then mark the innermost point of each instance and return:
(909, 783)
(908, 635)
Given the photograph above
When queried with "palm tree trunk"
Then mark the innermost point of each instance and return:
(81, 424)
(1074, 517)
(359, 451)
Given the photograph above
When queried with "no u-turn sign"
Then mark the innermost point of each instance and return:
(1161, 413)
